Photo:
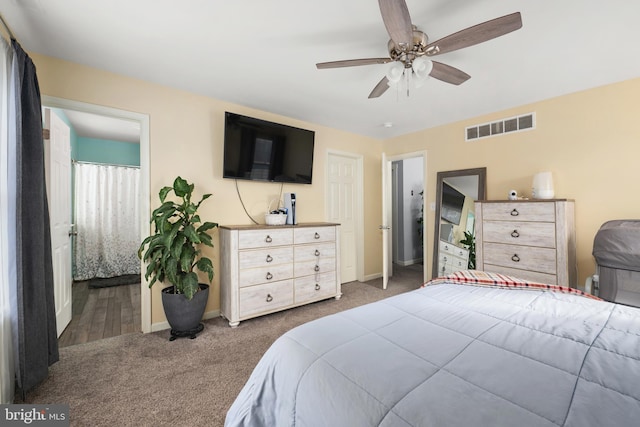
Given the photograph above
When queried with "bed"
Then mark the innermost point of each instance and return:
(470, 349)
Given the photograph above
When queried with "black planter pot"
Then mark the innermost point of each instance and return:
(184, 315)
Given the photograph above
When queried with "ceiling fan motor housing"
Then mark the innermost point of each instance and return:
(405, 55)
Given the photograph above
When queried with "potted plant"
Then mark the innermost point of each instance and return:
(173, 256)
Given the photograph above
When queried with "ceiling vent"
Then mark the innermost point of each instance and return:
(500, 127)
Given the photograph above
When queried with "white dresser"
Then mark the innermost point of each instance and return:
(451, 258)
(530, 239)
(265, 269)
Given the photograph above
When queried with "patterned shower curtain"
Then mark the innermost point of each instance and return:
(107, 221)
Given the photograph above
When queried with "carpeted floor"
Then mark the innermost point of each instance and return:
(145, 380)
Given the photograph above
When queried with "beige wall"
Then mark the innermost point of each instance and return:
(590, 141)
(186, 132)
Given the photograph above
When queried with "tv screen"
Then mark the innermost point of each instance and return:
(452, 204)
(259, 150)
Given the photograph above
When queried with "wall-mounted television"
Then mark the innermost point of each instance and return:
(452, 204)
(259, 150)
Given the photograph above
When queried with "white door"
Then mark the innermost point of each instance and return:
(385, 227)
(58, 179)
(342, 207)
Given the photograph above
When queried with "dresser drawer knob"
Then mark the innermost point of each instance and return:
(316, 268)
(269, 298)
(316, 236)
(269, 276)
(515, 258)
(268, 239)
(269, 258)
(515, 212)
(317, 252)
(515, 234)
(317, 287)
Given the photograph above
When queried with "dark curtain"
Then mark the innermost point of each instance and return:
(34, 319)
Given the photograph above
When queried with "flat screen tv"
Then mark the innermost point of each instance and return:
(259, 150)
(452, 204)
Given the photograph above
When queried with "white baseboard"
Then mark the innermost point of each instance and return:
(409, 262)
(372, 276)
(161, 326)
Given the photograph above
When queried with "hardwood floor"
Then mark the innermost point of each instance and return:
(102, 313)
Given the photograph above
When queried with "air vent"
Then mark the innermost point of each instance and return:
(500, 127)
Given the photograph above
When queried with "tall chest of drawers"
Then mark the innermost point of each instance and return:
(265, 269)
(529, 239)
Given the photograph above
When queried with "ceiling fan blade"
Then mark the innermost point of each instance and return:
(448, 74)
(476, 34)
(380, 88)
(352, 63)
(395, 15)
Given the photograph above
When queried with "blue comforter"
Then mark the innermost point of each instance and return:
(453, 355)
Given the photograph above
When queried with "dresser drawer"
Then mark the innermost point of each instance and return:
(315, 287)
(265, 298)
(248, 239)
(532, 211)
(541, 234)
(531, 276)
(314, 251)
(521, 257)
(451, 249)
(265, 257)
(272, 273)
(314, 234)
(452, 263)
(321, 265)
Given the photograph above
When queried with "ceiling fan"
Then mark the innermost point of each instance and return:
(410, 47)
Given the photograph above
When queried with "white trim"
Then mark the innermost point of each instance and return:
(387, 196)
(408, 263)
(359, 214)
(7, 375)
(145, 169)
(372, 276)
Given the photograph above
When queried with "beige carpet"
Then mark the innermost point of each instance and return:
(145, 380)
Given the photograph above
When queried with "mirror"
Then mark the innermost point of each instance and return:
(454, 235)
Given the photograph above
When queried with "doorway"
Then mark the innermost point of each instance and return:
(403, 195)
(407, 201)
(141, 294)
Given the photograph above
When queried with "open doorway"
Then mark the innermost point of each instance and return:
(119, 139)
(404, 184)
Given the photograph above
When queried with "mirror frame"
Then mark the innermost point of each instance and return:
(441, 176)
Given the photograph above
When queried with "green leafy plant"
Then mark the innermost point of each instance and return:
(172, 251)
(469, 242)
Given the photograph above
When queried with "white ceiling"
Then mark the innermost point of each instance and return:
(90, 125)
(262, 54)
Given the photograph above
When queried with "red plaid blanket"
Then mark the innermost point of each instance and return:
(483, 278)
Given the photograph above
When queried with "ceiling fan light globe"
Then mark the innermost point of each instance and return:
(422, 66)
(395, 72)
